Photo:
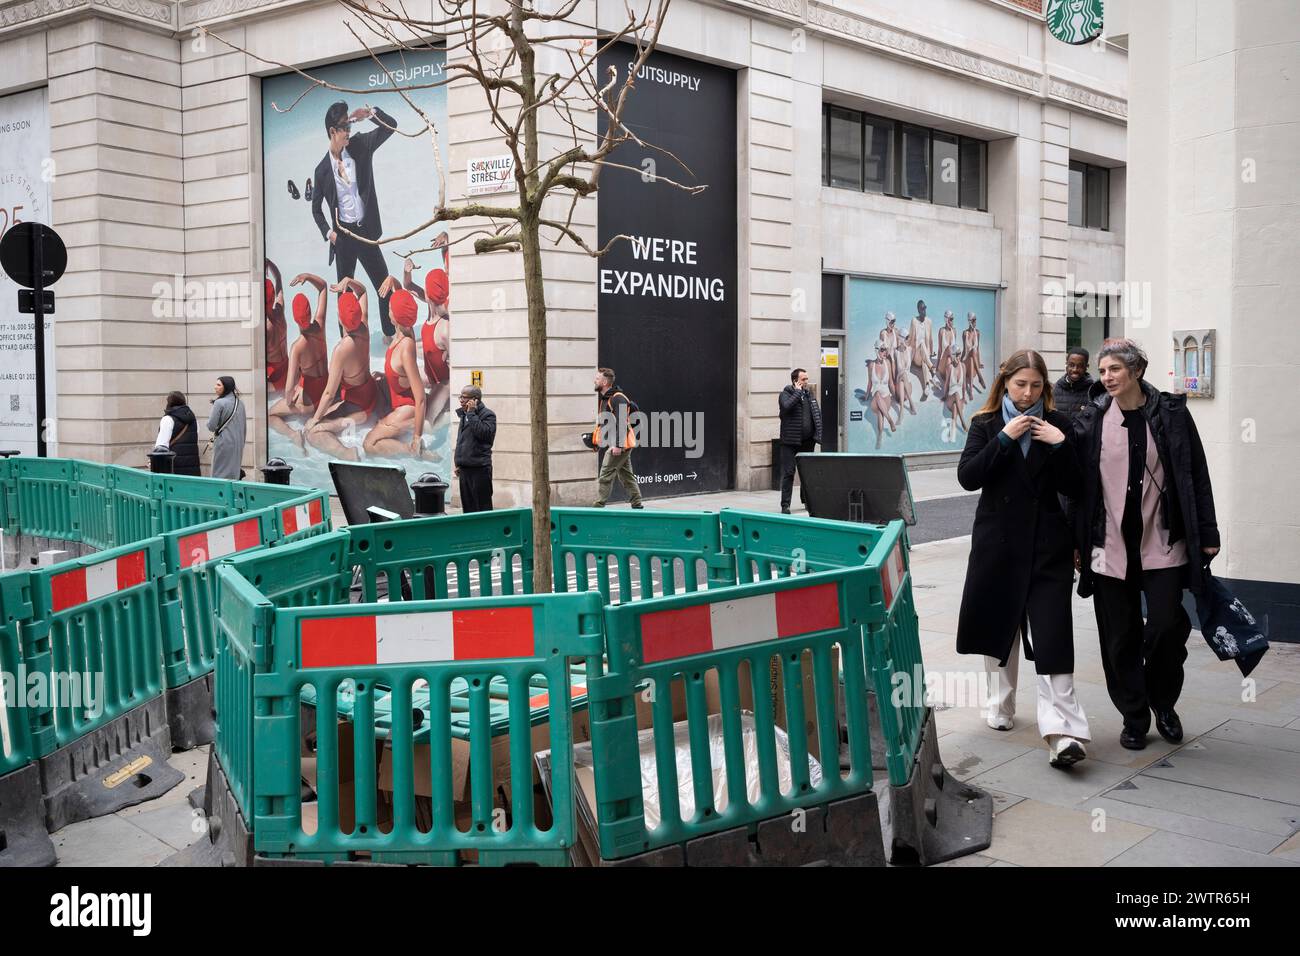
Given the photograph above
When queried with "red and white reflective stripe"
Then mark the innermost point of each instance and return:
(415, 638)
(301, 517)
(70, 588)
(544, 698)
(891, 575)
(218, 542)
(765, 617)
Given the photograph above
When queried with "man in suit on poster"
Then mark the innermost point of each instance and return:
(345, 184)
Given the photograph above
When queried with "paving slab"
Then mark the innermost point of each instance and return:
(1235, 767)
(1173, 849)
(966, 755)
(108, 841)
(1031, 776)
(1274, 738)
(1003, 801)
(192, 763)
(1033, 833)
(1159, 819)
(971, 859)
(1290, 850)
(1214, 806)
(174, 824)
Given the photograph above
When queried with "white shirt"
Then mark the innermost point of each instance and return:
(351, 209)
(165, 426)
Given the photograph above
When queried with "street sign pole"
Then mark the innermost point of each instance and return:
(38, 270)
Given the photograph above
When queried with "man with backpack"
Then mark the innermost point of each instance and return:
(614, 433)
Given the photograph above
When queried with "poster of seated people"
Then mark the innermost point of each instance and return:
(357, 334)
(920, 361)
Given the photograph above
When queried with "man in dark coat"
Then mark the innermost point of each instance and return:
(345, 185)
(473, 461)
(1071, 390)
(801, 429)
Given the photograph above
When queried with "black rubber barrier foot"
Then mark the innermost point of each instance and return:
(228, 841)
(23, 838)
(198, 798)
(189, 713)
(934, 817)
(119, 765)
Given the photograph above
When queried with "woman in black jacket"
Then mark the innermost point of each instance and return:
(1145, 520)
(1019, 455)
(178, 431)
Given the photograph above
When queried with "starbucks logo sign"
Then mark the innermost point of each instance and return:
(1074, 21)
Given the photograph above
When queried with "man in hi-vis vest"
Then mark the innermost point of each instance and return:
(612, 410)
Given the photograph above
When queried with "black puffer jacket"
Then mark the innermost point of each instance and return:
(478, 430)
(792, 411)
(1070, 397)
(1187, 503)
(185, 441)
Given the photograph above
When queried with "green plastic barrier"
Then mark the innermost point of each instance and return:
(894, 650)
(244, 625)
(8, 491)
(254, 495)
(91, 616)
(658, 543)
(188, 501)
(424, 552)
(135, 505)
(17, 748)
(388, 649)
(306, 573)
(189, 639)
(304, 515)
(46, 500)
(707, 637)
(769, 546)
(95, 491)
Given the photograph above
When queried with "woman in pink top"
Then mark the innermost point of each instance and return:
(1145, 526)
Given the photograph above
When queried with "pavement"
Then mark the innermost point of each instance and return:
(1228, 795)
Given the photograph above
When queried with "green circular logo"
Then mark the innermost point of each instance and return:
(1074, 21)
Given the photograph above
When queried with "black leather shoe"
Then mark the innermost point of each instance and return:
(785, 511)
(1131, 739)
(1169, 726)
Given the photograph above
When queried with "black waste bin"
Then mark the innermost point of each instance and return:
(430, 495)
(161, 461)
(276, 472)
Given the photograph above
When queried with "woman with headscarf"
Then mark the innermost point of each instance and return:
(228, 426)
(1018, 455)
(178, 432)
(1146, 528)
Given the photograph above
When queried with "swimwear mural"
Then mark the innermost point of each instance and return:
(920, 359)
(357, 337)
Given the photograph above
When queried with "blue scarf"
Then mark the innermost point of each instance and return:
(1009, 411)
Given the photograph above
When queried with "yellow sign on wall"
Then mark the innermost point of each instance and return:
(476, 378)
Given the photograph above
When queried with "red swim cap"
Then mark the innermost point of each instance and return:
(436, 287)
(349, 311)
(270, 296)
(302, 311)
(402, 307)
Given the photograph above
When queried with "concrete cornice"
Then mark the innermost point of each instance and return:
(26, 16)
(180, 18)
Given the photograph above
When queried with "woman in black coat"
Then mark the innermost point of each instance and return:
(1020, 456)
(1145, 521)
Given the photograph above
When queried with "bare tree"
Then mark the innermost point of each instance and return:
(498, 49)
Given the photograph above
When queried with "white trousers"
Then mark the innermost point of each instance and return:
(1059, 710)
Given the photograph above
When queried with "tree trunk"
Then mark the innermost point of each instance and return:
(539, 439)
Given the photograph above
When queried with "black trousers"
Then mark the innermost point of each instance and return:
(787, 470)
(1143, 661)
(475, 488)
(348, 252)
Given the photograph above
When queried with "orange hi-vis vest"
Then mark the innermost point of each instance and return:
(630, 438)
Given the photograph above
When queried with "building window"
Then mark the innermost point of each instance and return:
(873, 154)
(832, 301)
(1089, 196)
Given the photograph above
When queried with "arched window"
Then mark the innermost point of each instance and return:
(1191, 358)
(1207, 358)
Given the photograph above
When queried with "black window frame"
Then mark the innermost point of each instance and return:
(894, 154)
